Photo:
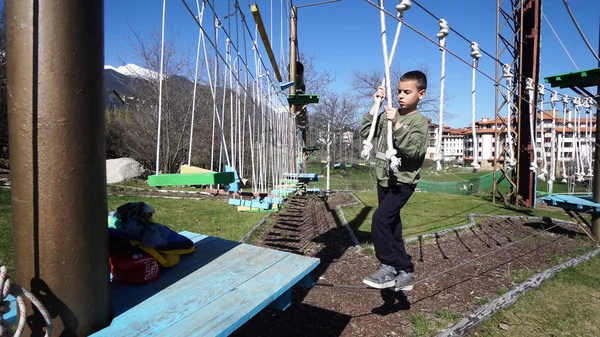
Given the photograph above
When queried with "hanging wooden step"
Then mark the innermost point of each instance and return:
(212, 178)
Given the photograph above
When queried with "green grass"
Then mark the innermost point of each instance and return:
(567, 305)
(429, 212)
(207, 216)
(427, 325)
(6, 235)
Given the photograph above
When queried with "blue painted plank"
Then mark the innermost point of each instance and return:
(125, 297)
(249, 203)
(283, 301)
(194, 291)
(271, 200)
(570, 202)
(222, 317)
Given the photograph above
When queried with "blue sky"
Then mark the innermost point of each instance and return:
(345, 36)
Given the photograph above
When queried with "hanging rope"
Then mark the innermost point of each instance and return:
(532, 122)
(507, 74)
(588, 102)
(565, 102)
(160, 83)
(403, 6)
(19, 293)
(476, 55)
(200, 16)
(576, 102)
(552, 177)
(442, 34)
(541, 94)
(390, 154)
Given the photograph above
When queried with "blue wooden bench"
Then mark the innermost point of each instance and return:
(211, 292)
(574, 206)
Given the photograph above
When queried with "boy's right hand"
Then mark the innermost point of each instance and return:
(379, 95)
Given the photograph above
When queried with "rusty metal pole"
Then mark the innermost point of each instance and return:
(529, 67)
(55, 60)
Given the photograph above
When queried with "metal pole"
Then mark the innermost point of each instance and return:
(328, 155)
(596, 187)
(530, 14)
(58, 172)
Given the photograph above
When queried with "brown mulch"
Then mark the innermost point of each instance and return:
(307, 226)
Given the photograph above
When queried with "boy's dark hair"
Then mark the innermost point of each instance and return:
(416, 76)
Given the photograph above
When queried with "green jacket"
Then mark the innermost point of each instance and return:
(410, 141)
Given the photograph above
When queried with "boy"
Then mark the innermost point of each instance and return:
(395, 188)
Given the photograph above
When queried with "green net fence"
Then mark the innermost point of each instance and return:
(480, 185)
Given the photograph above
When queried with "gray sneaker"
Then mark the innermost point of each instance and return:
(385, 277)
(404, 281)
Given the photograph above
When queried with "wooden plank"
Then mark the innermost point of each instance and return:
(195, 291)
(191, 179)
(193, 169)
(249, 203)
(283, 301)
(222, 317)
(126, 296)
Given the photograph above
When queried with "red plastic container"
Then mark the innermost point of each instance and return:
(133, 268)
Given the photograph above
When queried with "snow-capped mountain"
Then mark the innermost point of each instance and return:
(134, 70)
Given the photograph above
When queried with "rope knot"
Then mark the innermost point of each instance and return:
(403, 6)
(218, 23)
(529, 83)
(565, 100)
(475, 52)
(443, 33)
(553, 97)
(541, 90)
(576, 101)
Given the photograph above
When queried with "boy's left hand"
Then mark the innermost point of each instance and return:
(391, 114)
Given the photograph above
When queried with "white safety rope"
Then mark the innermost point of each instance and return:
(532, 121)
(160, 83)
(565, 102)
(544, 170)
(576, 102)
(442, 34)
(19, 293)
(588, 137)
(552, 177)
(390, 153)
(507, 74)
(200, 34)
(403, 6)
(476, 55)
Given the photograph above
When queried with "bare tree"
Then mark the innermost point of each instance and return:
(364, 84)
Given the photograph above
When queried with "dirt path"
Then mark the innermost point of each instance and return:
(307, 226)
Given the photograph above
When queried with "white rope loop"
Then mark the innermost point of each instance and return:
(530, 91)
(403, 6)
(541, 94)
(390, 154)
(19, 293)
(476, 55)
(587, 104)
(552, 177)
(509, 76)
(565, 102)
(576, 102)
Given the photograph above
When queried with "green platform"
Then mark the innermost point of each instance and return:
(582, 79)
(191, 179)
(302, 99)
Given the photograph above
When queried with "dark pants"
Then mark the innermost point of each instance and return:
(386, 228)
